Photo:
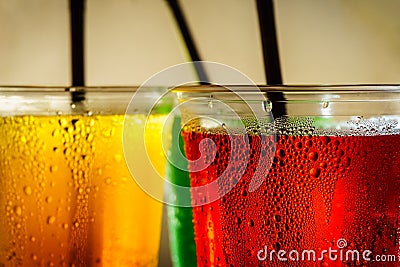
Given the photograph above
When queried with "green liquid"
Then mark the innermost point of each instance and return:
(180, 224)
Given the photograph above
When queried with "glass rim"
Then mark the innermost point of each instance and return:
(211, 88)
(72, 89)
(291, 88)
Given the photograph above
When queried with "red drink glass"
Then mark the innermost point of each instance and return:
(318, 185)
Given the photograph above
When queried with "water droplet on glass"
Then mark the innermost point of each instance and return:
(251, 223)
(267, 105)
(340, 153)
(313, 156)
(28, 190)
(346, 161)
(277, 218)
(51, 219)
(18, 210)
(238, 220)
(315, 172)
(53, 168)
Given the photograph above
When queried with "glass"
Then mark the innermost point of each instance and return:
(305, 175)
(67, 196)
(180, 225)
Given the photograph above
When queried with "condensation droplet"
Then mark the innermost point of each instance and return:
(346, 162)
(251, 223)
(277, 218)
(89, 137)
(267, 105)
(53, 168)
(313, 156)
(107, 180)
(315, 172)
(28, 190)
(51, 219)
(18, 210)
(56, 132)
(49, 199)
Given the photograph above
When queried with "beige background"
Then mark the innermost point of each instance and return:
(128, 41)
(329, 41)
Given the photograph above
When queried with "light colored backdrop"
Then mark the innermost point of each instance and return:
(330, 41)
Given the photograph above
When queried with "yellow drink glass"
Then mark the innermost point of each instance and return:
(67, 197)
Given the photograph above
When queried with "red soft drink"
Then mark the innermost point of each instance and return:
(326, 200)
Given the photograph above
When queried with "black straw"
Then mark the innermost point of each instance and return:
(77, 10)
(272, 65)
(190, 44)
